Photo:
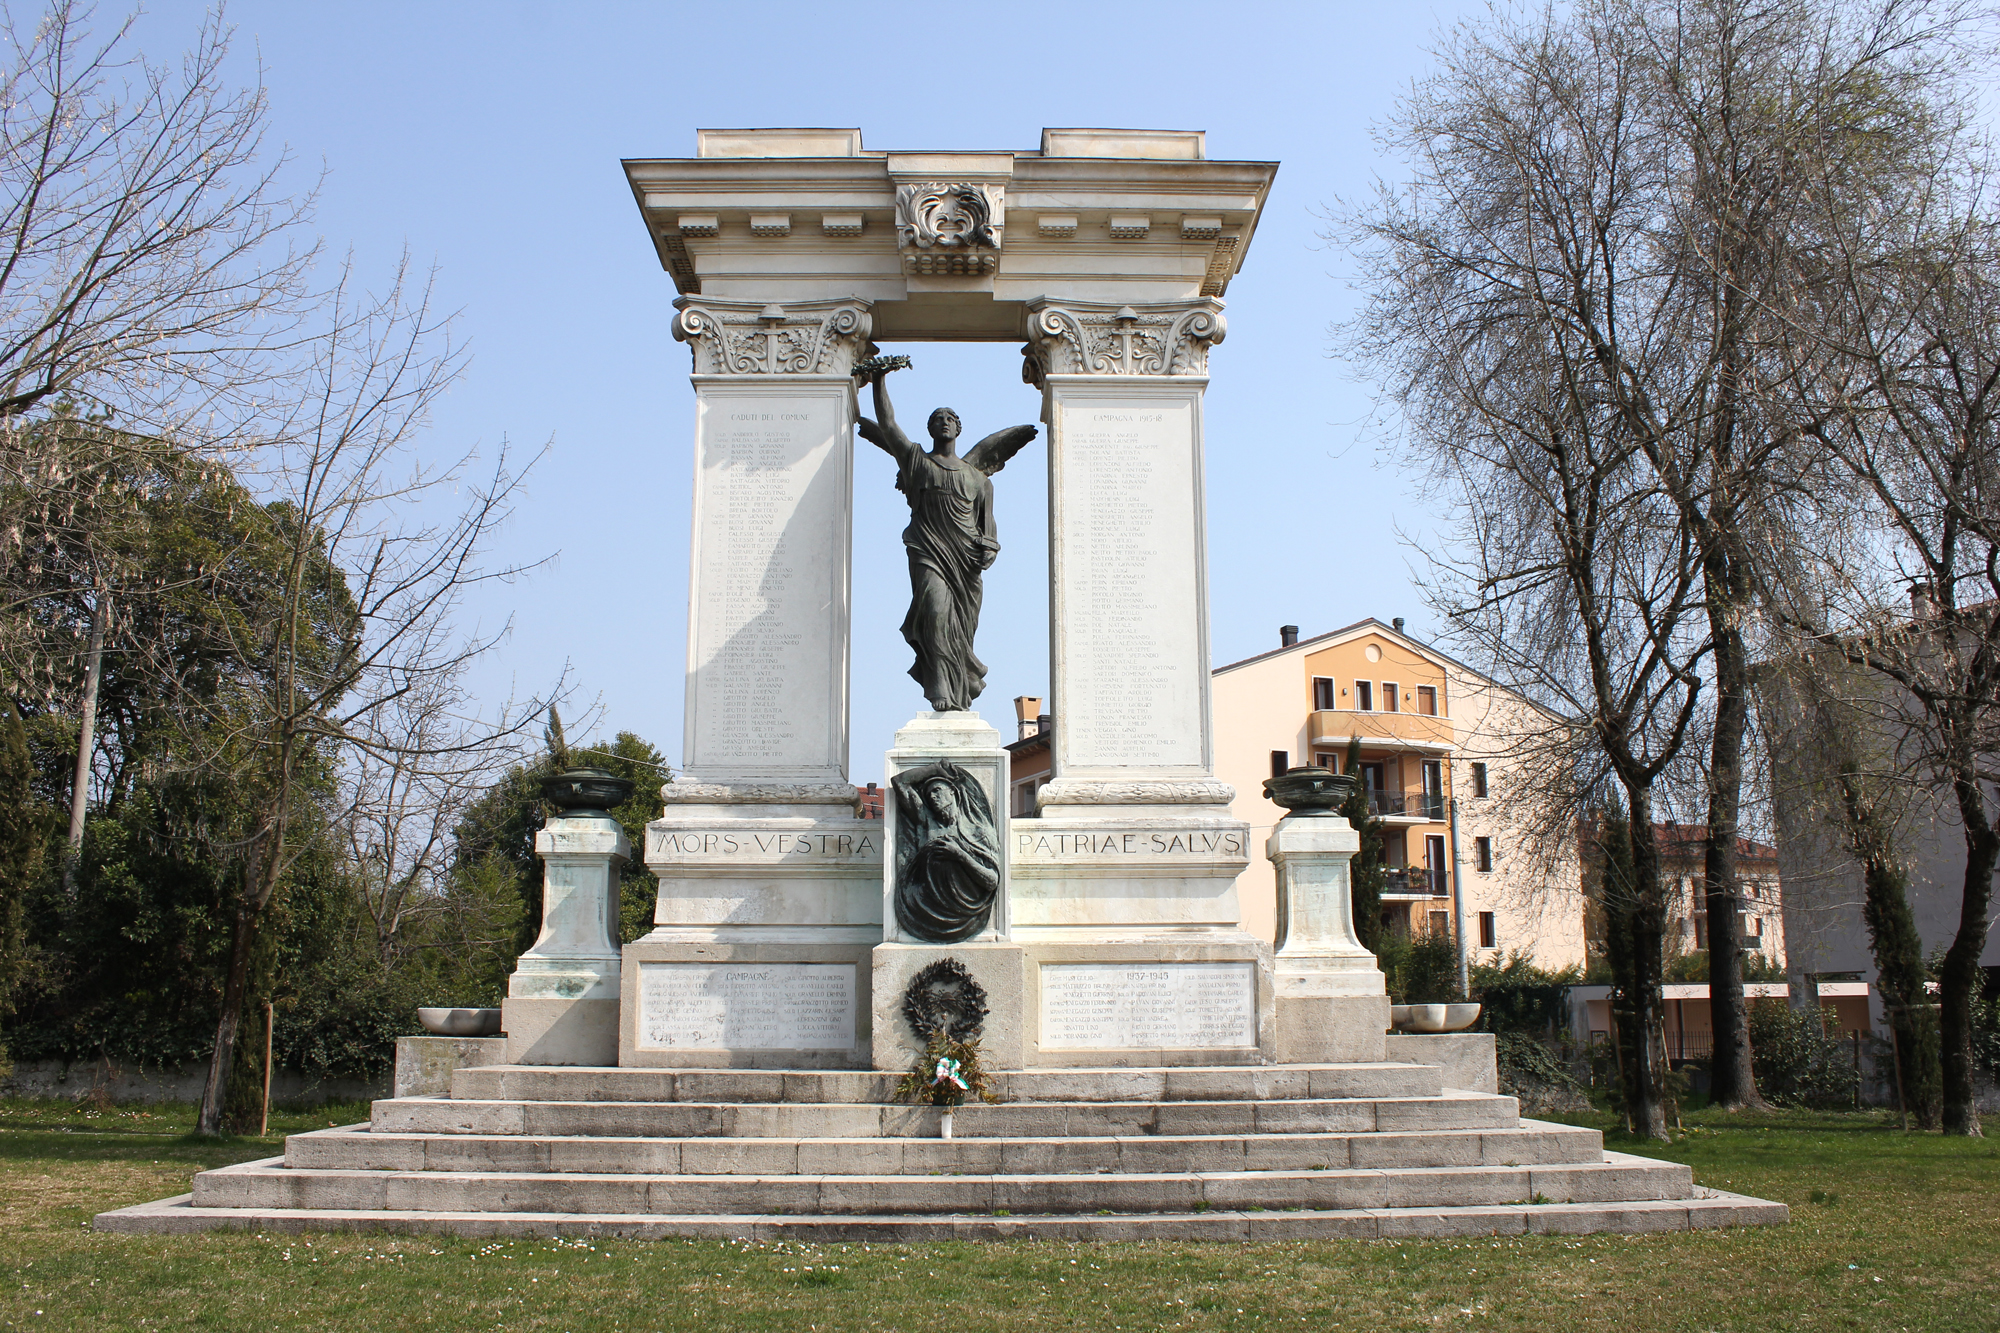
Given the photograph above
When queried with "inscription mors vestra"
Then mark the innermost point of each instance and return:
(733, 845)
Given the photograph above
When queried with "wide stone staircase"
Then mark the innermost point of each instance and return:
(1270, 1152)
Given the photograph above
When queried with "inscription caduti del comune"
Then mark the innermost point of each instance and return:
(746, 1006)
(1134, 653)
(1168, 1006)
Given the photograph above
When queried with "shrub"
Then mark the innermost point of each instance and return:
(1423, 970)
(1795, 1062)
(1533, 1072)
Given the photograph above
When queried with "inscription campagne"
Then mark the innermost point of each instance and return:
(1185, 1006)
(762, 1006)
(1142, 842)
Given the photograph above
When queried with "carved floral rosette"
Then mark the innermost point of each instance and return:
(749, 338)
(951, 228)
(1087, 338)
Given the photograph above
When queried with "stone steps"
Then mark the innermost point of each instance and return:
(355, 1148)
(1280, 1152)
(1706, 1210)
(808, 1120)
(541, 1083)
(270, 1184)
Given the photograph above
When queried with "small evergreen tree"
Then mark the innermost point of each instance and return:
(1365, 870)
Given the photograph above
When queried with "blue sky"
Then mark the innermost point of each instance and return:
(487, 139)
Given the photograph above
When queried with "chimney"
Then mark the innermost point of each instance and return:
(1027, 716)
(1397, 624)
(1922, 605)
(1287, 635)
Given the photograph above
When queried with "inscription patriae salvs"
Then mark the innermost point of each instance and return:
(1223, 843)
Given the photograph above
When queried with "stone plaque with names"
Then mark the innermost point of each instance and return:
(767, 650)
(746, 1006)
(1133, 669)
(1178, 1006)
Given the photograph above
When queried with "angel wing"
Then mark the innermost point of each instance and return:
(991, 454)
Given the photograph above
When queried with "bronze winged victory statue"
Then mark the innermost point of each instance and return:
(950, 540)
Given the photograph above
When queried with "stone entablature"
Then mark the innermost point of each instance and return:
(1094, 216)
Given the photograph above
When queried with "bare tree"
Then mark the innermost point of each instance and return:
(401, 798)
(1913, 364)
(353, 638)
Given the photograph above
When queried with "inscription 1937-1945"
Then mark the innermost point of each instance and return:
(1138, 842)
(665, 845)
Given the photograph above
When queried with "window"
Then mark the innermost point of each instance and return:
(1482, 853)
(1364, 695)
(1701, 932)
(1489, 937)
(1280, 761)
(1440, 885)
(1753, 929)
(1390, 693)
(1427, 700)
(1433, 779)
(1024, 797)
(1441, 925)
(1479, 779)
(1322, 692)
(1327, 760)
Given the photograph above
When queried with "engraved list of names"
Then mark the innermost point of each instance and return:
(765, 650)
(746, 1006)
(1174, 1006)
(1132, 663)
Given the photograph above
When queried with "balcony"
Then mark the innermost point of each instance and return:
(1414, 882)
(1329, 727)
(1420, 806)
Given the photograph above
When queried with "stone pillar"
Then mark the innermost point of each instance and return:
(562, 1001)
(770, 886)
(1332, 1004)
(1124, 888)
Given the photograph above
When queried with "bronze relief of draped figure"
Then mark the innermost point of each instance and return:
(947, 853)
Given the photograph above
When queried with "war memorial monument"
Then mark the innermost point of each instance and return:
(1159, 1072)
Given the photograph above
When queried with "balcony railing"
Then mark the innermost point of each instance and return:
(1415, 882)
(1410, 805)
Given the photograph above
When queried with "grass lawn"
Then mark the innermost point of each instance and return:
(1888, 1232)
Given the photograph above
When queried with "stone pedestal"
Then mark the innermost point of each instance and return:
(424, 1065)
(998, 968)
(1331, 1002)
(562, 1001)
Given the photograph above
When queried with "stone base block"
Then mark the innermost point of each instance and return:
(424, 1065)
(1195, 1000)
(560, 1032)
(1468, 1059)
(744, 1006)
(997, 967)
(1331, 1029)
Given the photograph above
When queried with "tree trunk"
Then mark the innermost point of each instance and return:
(1732, 1085)
(1958, 982)
(235, 990)
(1649, 1106)
(86, 740)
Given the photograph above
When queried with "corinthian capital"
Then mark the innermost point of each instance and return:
(747, 338)
(1095, 338)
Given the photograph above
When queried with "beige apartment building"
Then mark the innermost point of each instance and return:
(1432, 731)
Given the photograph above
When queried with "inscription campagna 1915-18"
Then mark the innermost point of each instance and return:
(770, 496)
(1134, 663)
(1175, 1006)
(743, 1006)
